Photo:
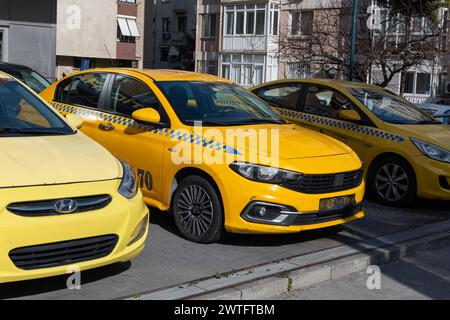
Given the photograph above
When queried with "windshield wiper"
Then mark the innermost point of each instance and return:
(31, 131)
(257, 121)
(207, 123)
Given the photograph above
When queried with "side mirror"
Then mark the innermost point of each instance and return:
(146, 115)
(75, 120)
(350, 115)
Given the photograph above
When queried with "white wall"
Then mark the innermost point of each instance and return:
(97, 20)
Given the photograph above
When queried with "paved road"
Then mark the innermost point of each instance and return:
(170, 260)
(425, 276)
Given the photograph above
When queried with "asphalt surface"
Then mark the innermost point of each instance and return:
(425, 276)
(169, 260)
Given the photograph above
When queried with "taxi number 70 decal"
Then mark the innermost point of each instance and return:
(145, 179)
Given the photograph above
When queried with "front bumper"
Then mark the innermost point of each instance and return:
(291, 218)
(120, 218)
(237, 199)
(433, 178)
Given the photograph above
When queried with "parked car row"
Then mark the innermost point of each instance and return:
(88, 201)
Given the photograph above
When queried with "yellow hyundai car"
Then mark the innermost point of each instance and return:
(405, 150)
(180, 131)
(66, 203)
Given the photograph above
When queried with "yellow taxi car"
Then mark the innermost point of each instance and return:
(170, 126)
(405, 150)
(66, 203)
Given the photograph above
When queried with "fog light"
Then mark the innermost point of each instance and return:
(267, 212)
(262, 211)
(139, 232)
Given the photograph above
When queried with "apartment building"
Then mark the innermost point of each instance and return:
(28, 34)
(420, 83)
(100, 33)
(237, 39)
(174, 30)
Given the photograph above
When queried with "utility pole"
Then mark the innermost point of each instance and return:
(353, 46)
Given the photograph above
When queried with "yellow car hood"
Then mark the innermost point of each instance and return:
(295, 142)
(438, 134)
(33, 161)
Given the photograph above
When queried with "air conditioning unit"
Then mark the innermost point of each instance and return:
(447, 88)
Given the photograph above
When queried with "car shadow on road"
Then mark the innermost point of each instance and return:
(165, 221)
(23, 289)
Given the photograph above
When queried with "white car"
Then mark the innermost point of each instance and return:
(439, 111)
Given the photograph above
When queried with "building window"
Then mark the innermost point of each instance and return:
(417, 83)
(127, 30)
(164, 54)
(182, 23)
(297, 70)
(166, 24)
(209, 25)
(274, 19)
(423, 83)
(208, 67)
(243, 69)
(247, 19)
(302, 22)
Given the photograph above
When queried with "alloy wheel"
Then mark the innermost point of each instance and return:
(392, 182)
(195, 210)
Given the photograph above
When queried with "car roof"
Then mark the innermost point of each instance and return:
(12, 67)
(4, 75)
(330, 82)
(164, 74)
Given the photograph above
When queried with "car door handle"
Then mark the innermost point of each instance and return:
(106, 127)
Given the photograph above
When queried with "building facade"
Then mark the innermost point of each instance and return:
(237, 40)
(86, 41)
(445, 84)
(174, 30)
(28, 34)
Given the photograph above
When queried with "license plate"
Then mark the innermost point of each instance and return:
(337, 203)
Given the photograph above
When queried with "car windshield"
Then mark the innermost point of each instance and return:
(391, 108)
(217, 104)
(32, 79)
(22, 113)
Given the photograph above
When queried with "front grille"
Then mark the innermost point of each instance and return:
(326, 183)
(49, 207)
(63, 253)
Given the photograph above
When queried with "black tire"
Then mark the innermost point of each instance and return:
(392, 181)
(198, 211)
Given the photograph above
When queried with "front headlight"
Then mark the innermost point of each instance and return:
(264, 174)
(128, 187)
(432, 151)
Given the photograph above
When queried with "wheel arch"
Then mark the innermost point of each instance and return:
(192, 171)
(383, 155)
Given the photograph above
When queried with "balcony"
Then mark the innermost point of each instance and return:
(244, 43)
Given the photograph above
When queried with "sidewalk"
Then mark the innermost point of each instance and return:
(299, 272)
(424, 276)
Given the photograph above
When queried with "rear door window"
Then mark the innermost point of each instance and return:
(84, 90)
(284, 96)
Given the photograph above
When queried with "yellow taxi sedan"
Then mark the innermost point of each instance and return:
(174, 128)
(66, 203)
(405, 150)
